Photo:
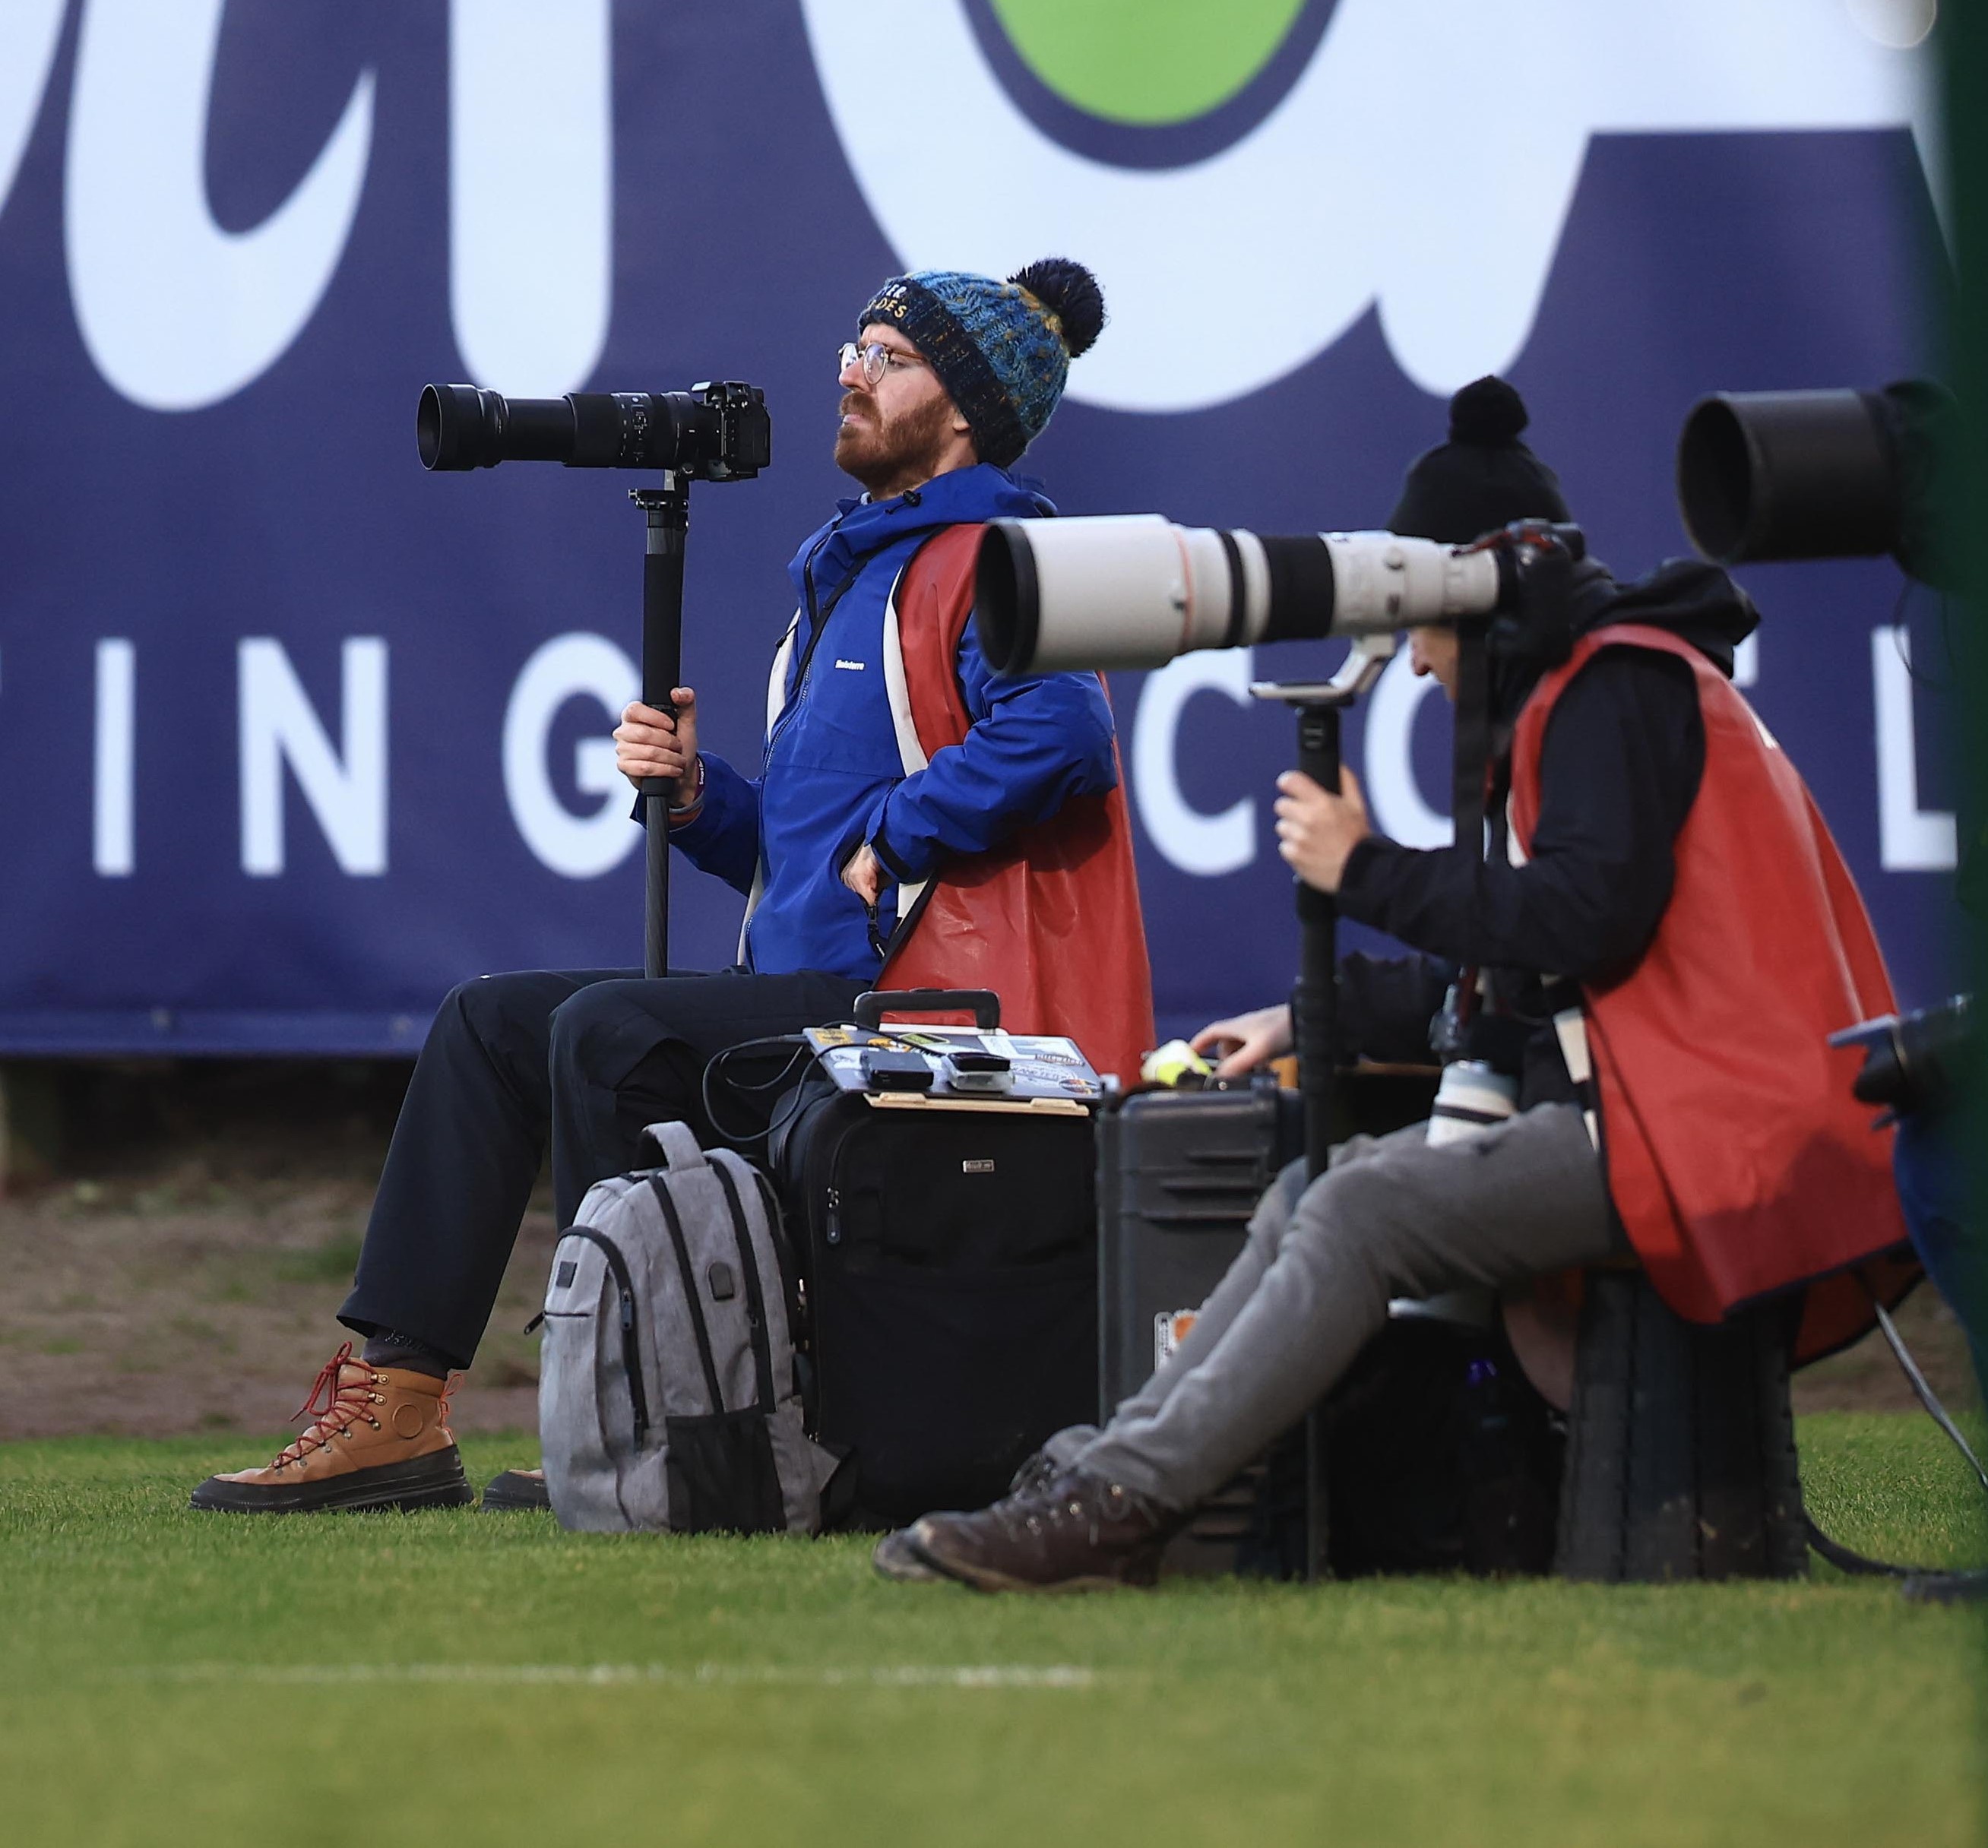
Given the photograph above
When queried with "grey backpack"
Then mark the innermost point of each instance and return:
(667, 1398)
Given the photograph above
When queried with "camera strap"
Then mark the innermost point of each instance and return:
(1471, 767)
(1570, 1030)
(1470, 780)
(818, 619)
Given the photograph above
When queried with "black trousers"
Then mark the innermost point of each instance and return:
(584, 1058)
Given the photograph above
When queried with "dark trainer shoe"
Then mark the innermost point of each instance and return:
(380, 1439)
(516, 1488)
(1078, 1533)
(897, 1556)
(1036, 1471)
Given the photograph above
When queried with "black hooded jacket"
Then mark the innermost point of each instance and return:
(1619, 769)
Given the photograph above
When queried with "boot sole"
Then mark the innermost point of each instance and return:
(514, 1493)
(435, 1481)
(981, 1578)
(985, 1578)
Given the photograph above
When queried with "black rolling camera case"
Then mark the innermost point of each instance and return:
(949, 1253)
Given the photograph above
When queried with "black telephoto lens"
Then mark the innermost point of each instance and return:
(449, 427)
(716, 432)
(1767, 475)
(1788, 474)
(458, 426)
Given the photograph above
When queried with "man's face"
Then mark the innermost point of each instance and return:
(1432, 649)
(894, 433)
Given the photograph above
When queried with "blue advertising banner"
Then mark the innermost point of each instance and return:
(293, 736)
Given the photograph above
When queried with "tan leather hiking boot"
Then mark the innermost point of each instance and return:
(380, 1439)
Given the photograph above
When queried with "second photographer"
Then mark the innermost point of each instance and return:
(1659, 896)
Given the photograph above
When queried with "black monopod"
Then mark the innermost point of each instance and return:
(714, 432)
(1319, 706)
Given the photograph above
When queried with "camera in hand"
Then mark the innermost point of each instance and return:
(1769, 475)
(1134, 590)
(716, 431)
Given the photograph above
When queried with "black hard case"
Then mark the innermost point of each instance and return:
(1179, 1174)
(949, 1254)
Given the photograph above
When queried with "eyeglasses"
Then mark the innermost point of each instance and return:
(877, 359)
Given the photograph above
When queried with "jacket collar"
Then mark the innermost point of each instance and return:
(862, 527)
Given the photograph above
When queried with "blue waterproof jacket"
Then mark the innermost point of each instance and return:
(833, 777)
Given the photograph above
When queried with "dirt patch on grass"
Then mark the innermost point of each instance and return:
(176, 1254)
(176, 1258)
(163, 1315)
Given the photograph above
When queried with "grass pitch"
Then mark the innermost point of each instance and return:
(172, 1677)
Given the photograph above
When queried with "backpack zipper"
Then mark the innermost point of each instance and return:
(631, 1349)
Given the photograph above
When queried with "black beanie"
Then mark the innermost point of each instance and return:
(1483, 478)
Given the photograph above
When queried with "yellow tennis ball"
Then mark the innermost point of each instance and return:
(1172, 1063)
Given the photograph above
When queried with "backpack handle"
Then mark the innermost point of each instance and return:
(984, 1004)
(677, 1143)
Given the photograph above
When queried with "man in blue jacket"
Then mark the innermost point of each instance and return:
(950, 378)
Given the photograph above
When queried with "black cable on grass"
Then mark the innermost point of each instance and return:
(1931, 1584)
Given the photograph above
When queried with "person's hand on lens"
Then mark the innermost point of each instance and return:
(648, 743)
(1316, 830)
(1246, 1041)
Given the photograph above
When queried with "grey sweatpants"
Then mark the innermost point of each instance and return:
(1391, 1216)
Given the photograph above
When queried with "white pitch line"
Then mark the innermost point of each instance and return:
(616, 1674)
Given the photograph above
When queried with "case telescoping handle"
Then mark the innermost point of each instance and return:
(984, 1004)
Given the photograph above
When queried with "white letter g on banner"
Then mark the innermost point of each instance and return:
(578, 847)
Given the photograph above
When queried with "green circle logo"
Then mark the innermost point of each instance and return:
(1148, 63)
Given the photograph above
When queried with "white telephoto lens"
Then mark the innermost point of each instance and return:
(1134, 590)
(1471, 1098)
(1382, 581)
(1112, 592)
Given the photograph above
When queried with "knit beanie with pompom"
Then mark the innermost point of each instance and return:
(1001, 350)
(1483, 478)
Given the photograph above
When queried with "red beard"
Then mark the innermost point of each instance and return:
(879, 451)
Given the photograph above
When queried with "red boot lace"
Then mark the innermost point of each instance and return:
(345, 1403)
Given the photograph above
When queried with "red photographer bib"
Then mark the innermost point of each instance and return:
(1050, 919)
(1739, 1162)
